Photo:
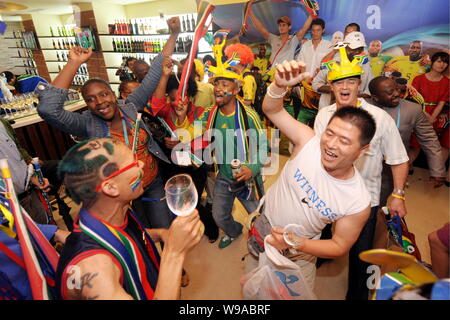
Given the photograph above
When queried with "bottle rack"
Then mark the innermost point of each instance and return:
(24, 53)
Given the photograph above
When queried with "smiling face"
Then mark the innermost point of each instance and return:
(388, 94)
(346, 91)
(340, 146)
(225, 91)
(100, 100)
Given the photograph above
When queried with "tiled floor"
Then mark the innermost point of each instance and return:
(215, 273)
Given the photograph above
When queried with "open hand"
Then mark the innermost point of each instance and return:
(288, 73)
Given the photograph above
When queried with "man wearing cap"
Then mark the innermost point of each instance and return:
(283, 45)
(377, 60)
(355, 44)
(345, 81)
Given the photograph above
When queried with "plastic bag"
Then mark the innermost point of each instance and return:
(276, 278)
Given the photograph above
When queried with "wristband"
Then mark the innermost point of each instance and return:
(275, 96)
(400, 192)
(398, 196)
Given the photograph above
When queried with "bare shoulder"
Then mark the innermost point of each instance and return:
(95, 277)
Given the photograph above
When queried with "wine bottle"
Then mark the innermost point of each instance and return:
(193, 23)
(114, 45)
(188, 24)
(183, 29)
(59, 31)
(51, 31)
(57, 56)
(136, 27)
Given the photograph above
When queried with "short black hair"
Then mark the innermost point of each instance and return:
(374, 83)
(396, 74)
(94, 80)
(123, 85)
(209, 57)
(353, 24)
(441, 54)
(173, 84)
(359, 118)
(8, 75)
(402, 81)
(318, 22)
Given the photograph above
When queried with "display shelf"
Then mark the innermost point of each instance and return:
(23, 58)
(25, 67)
(143, 35)
(55, 49)
(55, 37)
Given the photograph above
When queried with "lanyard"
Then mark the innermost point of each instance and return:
(398, 116)
(125, 123)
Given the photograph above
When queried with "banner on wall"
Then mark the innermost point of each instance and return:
(395, 23)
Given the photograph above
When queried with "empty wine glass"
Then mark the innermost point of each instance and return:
(181, 194)
(291, 235)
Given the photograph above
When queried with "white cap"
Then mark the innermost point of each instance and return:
(355, 40)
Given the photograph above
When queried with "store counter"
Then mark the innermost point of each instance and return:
(42, 140)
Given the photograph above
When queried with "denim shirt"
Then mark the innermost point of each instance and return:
(88, 125)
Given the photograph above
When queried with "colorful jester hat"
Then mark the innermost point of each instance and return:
(222, 70)
(344, 68)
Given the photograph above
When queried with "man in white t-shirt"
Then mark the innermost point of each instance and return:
(345, 82)
(355, 43)
(314, 50)
(319, 184)
(283, 45)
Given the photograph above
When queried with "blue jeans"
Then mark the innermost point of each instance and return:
(153, 214)
(223, 204)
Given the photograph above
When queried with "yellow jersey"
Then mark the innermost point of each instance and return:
(409, 69)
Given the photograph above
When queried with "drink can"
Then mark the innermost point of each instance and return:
(235, 166)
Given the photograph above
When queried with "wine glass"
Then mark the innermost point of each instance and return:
(181, 194)
(291, 235)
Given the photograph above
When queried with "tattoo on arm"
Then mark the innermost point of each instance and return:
(86, 282)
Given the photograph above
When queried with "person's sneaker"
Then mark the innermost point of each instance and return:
(225, 241)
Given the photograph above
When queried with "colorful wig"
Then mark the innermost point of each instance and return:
(244, 52)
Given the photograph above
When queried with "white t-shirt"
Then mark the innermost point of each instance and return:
(305, 194)
(386, 143)
(313, 57)
(288, 51)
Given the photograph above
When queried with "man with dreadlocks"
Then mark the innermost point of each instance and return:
(237, 133)
(109, 117)
(110, 255)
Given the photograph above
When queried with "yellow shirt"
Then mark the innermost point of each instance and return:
(408, 69)
(261, 63)
(205, 95)
(377, 64)
(249, 87)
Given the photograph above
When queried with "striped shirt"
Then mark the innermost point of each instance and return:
(387, 143)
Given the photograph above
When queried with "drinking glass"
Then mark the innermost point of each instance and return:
(291, 234)
(181, 194)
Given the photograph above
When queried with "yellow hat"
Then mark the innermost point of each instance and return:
(221, 70)
(199, 68)
(344, 68)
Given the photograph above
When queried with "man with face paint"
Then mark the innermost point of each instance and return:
(345, 81)
(110, 255)
(355, 43)
(236, 132)
(411, 65)
(107, 116)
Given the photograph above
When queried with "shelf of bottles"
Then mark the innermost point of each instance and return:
(24, 53)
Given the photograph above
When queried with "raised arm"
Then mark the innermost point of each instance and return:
(159, 105)
(259, 26)
(301, 33)
(148, 86)
(287, 74)
(52, 97)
